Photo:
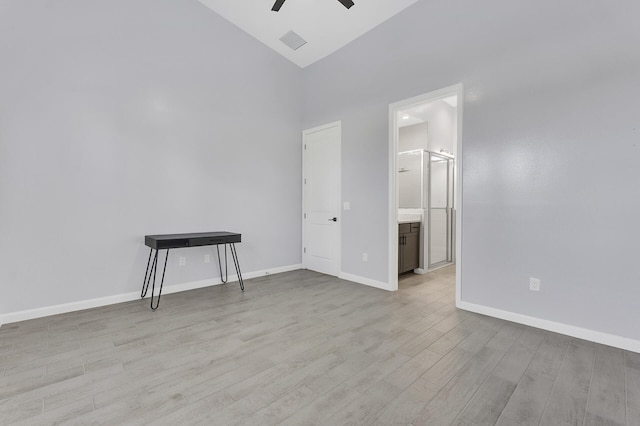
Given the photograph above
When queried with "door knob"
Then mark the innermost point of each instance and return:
(335, 219)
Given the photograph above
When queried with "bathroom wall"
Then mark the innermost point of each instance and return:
(437, 132)
(442, 122)
(410, 181)
(415, 136)
(410, 184)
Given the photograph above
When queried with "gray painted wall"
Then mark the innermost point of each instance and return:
(551, 149)
(120, 118)
(125, 118)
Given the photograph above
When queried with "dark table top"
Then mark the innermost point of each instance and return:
(164, 241)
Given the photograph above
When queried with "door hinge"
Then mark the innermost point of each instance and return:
(305, 215)
(305, 181)
(305, 249)
(305, 146)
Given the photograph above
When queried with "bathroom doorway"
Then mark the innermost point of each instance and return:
(424, 183)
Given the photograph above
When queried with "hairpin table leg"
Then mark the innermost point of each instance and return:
(161, 282)
(234, 254)
(148, 272)
(226, 266)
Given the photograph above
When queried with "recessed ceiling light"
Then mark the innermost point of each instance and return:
(405, 117)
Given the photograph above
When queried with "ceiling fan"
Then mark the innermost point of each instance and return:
(278, 4)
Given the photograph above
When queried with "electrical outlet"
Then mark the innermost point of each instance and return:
(207, 258)
(182, 261)
(534, 284)
(365, 257)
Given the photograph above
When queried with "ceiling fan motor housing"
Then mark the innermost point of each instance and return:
(278, 4)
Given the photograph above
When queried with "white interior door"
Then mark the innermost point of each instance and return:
(321, 199)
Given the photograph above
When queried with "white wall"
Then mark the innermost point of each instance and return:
(436, 133)
(441, 118)
(412, 180)
(415, 136)
(550, 157)
(125, 118)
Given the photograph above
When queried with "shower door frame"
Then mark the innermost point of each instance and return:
(450, 193)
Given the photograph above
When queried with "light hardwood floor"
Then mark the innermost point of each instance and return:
(302, 348)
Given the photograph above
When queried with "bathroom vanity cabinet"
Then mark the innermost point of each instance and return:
(408, 247)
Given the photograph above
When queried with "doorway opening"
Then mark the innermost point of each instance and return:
(425, 183)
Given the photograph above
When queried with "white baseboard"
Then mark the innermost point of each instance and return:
(366, 281)
(127, 297)
(569, 330)
(557, 327)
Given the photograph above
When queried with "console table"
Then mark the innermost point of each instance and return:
(174, 241)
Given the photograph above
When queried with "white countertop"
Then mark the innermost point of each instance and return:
(409, 217)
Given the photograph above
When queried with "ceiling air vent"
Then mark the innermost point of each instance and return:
(293, 40)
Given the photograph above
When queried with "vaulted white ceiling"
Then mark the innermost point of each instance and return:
(326, 25)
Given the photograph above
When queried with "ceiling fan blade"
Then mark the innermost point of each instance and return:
(346, 3)
(277, 5)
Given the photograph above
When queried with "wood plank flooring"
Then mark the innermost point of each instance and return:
(301, 348)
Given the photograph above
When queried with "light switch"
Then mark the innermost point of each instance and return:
(347, 205)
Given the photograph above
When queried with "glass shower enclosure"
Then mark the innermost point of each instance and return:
(426, 181)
